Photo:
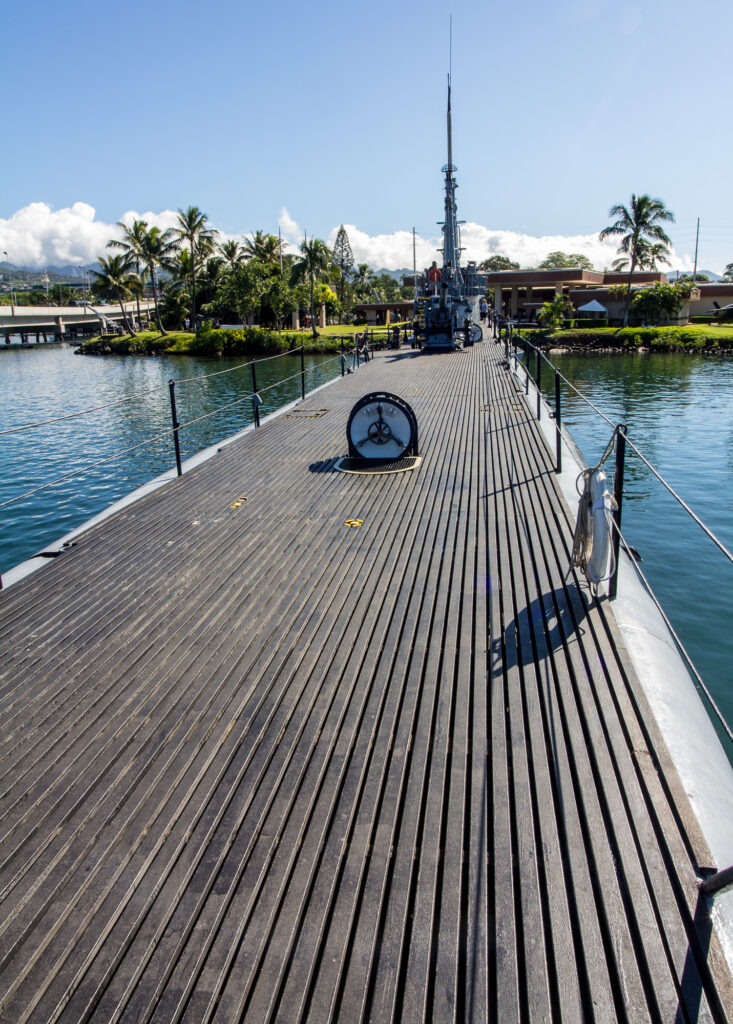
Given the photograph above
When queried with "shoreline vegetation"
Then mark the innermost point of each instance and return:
(695, 338)
(215, 343)
(209, 342)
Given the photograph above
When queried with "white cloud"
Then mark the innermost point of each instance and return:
(38, 236)
(291, 233)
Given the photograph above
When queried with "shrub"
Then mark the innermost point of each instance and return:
(232, 341)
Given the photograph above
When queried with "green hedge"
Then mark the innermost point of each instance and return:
(145, 343)
(232, 341)
(584, 322)
(211, 342)
(670, 339)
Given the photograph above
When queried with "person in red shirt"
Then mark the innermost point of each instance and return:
(434, 277)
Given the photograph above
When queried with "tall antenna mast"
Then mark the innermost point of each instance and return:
(450, 71)
(451, 243)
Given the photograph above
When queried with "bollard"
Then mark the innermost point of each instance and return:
(618, 494)
(176, 425)
(302, 371)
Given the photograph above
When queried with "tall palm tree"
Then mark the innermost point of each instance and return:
(314, 264)
(639, 226)
(131, 244)
(157, 250)
(200, 238)
(114, 278)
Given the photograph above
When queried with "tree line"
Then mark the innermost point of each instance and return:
(193, 273)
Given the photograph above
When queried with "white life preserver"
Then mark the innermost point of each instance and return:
(601, 509)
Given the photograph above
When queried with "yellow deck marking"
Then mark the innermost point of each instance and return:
(353, 522)
(239, 501)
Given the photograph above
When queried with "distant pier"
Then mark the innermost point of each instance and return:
(43, 324)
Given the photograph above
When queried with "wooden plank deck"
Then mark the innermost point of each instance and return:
(257, 764)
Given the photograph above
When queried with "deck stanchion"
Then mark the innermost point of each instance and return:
(618, 494)
(526, 368)
(558, 425)
(302, 371)
(538, 383)
(720, 882)
(255, 396)
(176, 425)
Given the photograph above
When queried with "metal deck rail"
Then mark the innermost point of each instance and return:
(284, 743)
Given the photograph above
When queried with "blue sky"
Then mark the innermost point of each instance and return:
(336, 113)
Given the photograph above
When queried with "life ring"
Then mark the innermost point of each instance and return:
(601, 509)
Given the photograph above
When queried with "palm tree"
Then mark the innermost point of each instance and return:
(262, 247)
(231, 252)
(157, 250)
(649, 253)
(192, 229)
(363, 279)
(179, 267)
(639, 226)
(131, 245)
(212, 277)
(728, 272)
(114, 277)
(311, 266)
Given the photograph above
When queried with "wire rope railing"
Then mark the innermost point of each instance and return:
(516, 337)
(513, 341)
(253, 395)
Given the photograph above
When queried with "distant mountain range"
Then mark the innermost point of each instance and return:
(32, 275)
(672, 275)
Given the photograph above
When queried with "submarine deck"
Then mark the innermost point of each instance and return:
(258, 763)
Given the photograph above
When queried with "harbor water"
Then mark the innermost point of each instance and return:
(678, 410)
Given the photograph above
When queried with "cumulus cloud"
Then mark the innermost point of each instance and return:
(291, 233)
(394, 251)
(38, 236)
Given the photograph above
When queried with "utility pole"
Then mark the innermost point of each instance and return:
(697, 239)
(414, 269)
(10, 278)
